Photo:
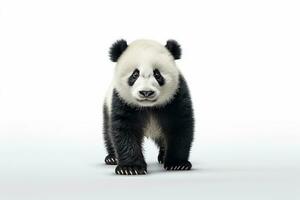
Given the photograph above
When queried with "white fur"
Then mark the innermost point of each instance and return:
(108, 98)
(152, 129)
(146, 55)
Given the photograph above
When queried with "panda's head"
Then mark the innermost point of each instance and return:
(146, 73)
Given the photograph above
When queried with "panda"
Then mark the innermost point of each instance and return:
(148, 97)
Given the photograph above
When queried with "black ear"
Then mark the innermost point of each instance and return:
(117, 49)
(174, 48)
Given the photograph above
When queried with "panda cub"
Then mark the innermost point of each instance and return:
(148, 98)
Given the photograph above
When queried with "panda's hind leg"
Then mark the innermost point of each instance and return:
(110, 159)
(162, 150)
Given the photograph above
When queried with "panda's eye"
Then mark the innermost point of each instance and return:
(157, 75)
(135, 74)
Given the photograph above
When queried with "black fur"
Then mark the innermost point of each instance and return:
(161, 145)
(160, 79)
(134, 76)
(117, 49)
(174, 47)
(110, 158)
(177, 123)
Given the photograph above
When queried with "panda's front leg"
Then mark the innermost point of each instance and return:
(179, 137)
(177, 154)
(128, 140)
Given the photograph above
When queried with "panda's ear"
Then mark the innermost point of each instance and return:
(174, 47)
(117, 49)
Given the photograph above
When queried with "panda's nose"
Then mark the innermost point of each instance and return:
(146, 93)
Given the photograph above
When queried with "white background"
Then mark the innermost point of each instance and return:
(240, 58)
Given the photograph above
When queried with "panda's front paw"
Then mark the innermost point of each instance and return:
(182, 165)
(111, 160)
(130, 170)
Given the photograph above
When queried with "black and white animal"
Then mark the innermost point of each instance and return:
(148, 97)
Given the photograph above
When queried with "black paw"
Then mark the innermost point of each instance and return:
(110, 160)
(130, 170)
(185, 165)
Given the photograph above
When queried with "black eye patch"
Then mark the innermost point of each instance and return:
(133, 77)
(157, 75)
